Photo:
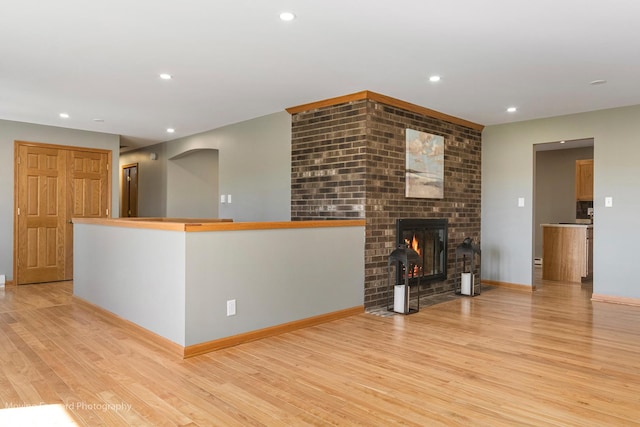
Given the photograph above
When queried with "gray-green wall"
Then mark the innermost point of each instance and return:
(253, 165)
(17, 131)
(152, 177)
(190, 276)
(507, 174)
(192, 185)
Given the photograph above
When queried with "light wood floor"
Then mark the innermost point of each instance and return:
(505, 358)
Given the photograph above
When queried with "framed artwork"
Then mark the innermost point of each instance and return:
(424, 170)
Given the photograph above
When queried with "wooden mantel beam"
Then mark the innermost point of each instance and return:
(367, 94)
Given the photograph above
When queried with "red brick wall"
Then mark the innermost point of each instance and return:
(348, 161)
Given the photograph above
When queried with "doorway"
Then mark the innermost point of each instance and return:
(54, 184)
(554, 190)
(129, 192)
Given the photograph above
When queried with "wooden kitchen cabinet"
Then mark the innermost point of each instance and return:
(584, 180)
(567, 252)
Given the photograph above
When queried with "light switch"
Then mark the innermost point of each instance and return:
(521, 202)
(229, 198)
(223, 199)
(608, 202)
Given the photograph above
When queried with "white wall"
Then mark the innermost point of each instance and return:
(507, 173)
(18, 131)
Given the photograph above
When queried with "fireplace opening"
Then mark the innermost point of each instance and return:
(428, 237)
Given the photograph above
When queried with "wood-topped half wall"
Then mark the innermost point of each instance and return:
(215, 284)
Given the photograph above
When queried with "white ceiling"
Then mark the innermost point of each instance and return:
(233, 60)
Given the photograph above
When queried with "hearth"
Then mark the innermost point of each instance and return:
(428, 237)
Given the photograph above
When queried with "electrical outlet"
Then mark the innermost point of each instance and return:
(608, 202)
(520, 202)
(231, 307)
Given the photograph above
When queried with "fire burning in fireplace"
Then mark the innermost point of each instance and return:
(428, 237)
(415, 245)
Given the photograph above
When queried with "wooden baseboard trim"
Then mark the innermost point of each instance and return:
(612, 299)
(209, 346)
(512, 286)
(158, 340)
(8, 283)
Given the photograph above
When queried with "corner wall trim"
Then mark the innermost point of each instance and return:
(209, 346)
(158, 340)
(512, 286)
(612, 299)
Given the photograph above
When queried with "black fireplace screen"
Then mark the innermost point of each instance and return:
(428, 237)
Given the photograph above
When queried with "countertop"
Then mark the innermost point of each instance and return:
(567, 225)
(197, 224)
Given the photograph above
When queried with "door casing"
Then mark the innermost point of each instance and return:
(129, 202)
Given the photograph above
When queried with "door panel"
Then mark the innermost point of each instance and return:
(88, 195)
(89, 176)
(42, 207)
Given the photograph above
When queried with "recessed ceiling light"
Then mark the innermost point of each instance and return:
(165, 76)
(434, 79)
(64, 115)
(512, 110)
(171, 130)
(287, 16)
(597, 82)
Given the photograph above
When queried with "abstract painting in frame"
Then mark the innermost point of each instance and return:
(425, 165)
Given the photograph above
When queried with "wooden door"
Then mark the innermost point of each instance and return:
(41, 214)
(129, 190)
(88, 195)
(53, 185)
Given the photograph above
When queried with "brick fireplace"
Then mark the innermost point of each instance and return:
(348, 161)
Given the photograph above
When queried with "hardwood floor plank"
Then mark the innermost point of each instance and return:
(504, 358)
